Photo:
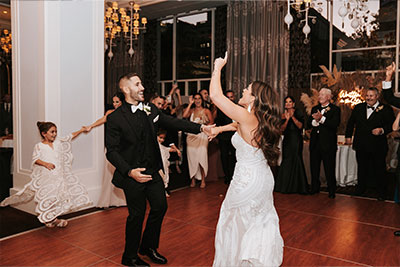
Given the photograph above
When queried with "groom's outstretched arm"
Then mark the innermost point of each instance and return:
(170, 122)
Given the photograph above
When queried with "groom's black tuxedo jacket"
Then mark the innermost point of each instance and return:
(364, 140)
(325, 135)
(131, 140)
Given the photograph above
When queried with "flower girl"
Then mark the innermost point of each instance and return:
(53, 186)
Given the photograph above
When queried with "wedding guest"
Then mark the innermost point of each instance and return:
(227, 150)
(196, 144)
(372, 121)
(158, 101)
(387, 87)
(110, 195)
(54, 188)
(396, 127)
(172, 137)
(292, 175)
(324, 122)
(165, 154)
(206, 98)
(208, 102)
(394, 101)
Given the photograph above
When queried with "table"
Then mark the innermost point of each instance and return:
(7, 143)
(6, 167)
(346, 166)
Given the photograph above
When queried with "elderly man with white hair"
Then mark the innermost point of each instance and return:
(324, 121)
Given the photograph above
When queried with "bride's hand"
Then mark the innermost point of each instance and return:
(219, 63)
(214, 133)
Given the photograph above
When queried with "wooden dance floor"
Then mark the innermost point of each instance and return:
(317, 231)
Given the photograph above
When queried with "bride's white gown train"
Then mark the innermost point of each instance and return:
(248, 226)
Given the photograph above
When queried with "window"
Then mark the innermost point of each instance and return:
(186, 48)
(166, 31)
(363, 38)
(193, 46)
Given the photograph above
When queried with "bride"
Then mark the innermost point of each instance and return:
(248, 227)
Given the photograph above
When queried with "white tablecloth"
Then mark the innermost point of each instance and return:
(346, 162)
(346, 166)
(7, 143)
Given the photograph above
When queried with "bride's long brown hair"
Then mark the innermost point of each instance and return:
(267, 133)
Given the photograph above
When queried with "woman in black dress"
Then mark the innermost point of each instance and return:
(292, 175)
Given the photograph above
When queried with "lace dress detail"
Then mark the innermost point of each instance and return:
(248, 227)
(56, 191)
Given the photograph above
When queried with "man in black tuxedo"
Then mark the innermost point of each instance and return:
(394, 101)
(387, 87)
(133, 149)
(228, 152)
(324, 122)
(372, 121)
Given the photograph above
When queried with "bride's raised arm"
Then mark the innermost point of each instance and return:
(233, 111)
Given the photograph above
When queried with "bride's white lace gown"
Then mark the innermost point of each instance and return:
(248, 226)
(56, 191)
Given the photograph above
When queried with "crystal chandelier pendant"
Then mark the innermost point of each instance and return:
(131, 51)
(303, 6)
(110, 54)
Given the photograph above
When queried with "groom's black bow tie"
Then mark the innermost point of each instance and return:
(324, 107)
(371, 107)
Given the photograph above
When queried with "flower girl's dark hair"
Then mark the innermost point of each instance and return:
(44, 126)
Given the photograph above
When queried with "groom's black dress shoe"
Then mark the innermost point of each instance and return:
(136, 262)
(332, 195)
(153, 255)
(397, 233)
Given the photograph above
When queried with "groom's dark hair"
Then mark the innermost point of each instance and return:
(126, 77)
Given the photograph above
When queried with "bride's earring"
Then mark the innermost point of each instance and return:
(249, 108)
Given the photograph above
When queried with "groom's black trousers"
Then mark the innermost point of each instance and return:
(136, 195)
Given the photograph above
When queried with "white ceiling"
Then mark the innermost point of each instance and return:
(151, 9)
(160, 8)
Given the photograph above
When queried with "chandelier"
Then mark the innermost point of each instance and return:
(298, 6)
(356, 11)
(118, 23)
(5, 41)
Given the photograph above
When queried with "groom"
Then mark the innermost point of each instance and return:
(133, 149)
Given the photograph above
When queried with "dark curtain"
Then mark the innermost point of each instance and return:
(258, 45)
(3, 79)
(120, 64)
(220, 38)
(150, 59)
(299, 61)
(5, 75)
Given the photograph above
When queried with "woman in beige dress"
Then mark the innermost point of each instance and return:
(197, 144)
